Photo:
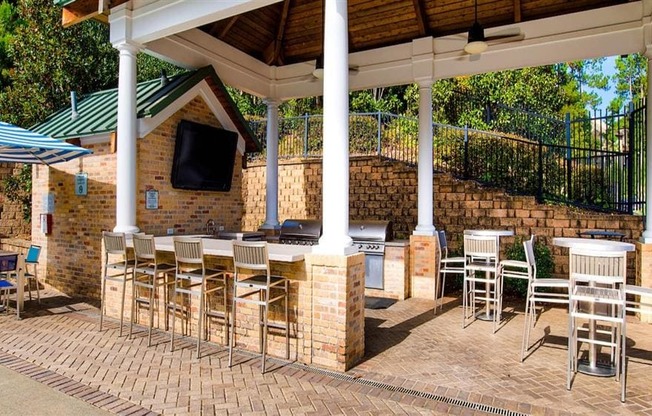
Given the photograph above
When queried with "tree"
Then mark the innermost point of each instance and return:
(8, 23)
(588, 73)
(630, 80)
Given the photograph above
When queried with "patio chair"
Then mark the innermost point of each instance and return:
(193, 278)
(597, 294)
(31, 259)
(516, 269)
(481, 267)
(541, 291)
(253, 256)
(115, 245)
(8, 265)
(447, 265)
(149, 275)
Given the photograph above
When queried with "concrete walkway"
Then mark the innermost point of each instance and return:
(22, 395)
(416, 363)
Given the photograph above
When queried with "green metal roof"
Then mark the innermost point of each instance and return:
(98, 112)
(63, 3)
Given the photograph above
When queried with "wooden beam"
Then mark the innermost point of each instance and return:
(81, 10)
(517, 11)
(422, 19)
(280, 33)
(228, 26)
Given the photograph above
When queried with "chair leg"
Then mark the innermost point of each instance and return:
(122, 303)
(226, 310)
(38, 291)
(232, 332)
(264, 349)
(102, 300)
(200, 319)
(134, 295)
(151, 308)
(623, 365)
(436, 290)
(174, 312)
(443, 285)
(287, 319)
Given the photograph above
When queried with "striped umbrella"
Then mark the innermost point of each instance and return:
(23, 146)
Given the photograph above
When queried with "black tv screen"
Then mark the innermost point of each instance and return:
(203, 157)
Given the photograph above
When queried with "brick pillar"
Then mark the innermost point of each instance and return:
(423, 265)
(644, 273)
(337, 309)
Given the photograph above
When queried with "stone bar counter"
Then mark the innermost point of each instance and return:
(326, 304)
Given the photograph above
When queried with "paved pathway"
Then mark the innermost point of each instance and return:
(416, 364)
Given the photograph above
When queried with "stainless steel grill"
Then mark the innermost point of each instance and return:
(304, 232)
(370, 237)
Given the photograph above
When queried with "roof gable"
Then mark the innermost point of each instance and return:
(97, 113)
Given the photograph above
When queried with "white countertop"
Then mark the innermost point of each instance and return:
(224, 248)
(601, 246)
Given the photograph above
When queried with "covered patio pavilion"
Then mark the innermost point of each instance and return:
(395, 43)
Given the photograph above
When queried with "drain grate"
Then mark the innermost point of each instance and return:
(398, 389)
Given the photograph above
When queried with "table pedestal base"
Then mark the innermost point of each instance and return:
(485, 316)
(599, 370)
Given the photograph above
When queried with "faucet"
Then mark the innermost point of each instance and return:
(210, 227)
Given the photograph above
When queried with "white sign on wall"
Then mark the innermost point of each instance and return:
(81, 183)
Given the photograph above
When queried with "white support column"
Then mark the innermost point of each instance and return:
(647, 234)
(126, 140)
(271, 192)
(425, 167)
(335, 206)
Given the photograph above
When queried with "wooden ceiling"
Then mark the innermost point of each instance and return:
(290, 31)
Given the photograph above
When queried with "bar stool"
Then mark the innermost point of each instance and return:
(31, 259)
(192, 278)
(148, 273)
(115, 244)
(254, 256)
(481, 254)
(597, 280)
(447, 265)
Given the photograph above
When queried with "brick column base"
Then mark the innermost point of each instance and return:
(423, 265)
(644, 274)
(337, 309)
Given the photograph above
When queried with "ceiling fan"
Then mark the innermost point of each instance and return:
(478, 42)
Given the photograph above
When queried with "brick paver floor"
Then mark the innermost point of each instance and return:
(416, 364)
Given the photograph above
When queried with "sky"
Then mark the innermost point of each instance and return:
(609, 68)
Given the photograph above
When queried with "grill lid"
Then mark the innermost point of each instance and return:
(306, 229)
(371, 230)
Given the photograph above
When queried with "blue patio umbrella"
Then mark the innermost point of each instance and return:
(24, 146)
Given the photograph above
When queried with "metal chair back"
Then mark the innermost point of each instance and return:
(144, 247)
(481, 247)
(189, 250)
(252, 255)
(114, 243)
(33, 254)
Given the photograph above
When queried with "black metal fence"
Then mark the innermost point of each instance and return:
(567, 161)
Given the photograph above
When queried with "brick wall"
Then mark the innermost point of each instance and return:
(73, 250)
(388, 190)
(12, 223)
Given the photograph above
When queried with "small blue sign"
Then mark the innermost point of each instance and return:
(81, 183)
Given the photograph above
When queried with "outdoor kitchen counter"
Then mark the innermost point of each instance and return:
(224, 248)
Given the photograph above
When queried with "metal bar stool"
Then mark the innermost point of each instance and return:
(447, 265)
(481, 254)
(148, 274)
(253, 256)
(597, 295)
(192, 278)
(115, 244)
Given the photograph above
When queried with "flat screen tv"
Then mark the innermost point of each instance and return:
(203, 157)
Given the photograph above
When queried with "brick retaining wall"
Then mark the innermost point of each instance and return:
(388, 190)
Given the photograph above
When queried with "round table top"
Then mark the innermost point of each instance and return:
(592, 244)
(492, 233)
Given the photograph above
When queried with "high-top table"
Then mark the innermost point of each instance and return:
(487, 315)
(591, 366)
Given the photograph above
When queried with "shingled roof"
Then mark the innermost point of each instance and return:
(98, 112)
